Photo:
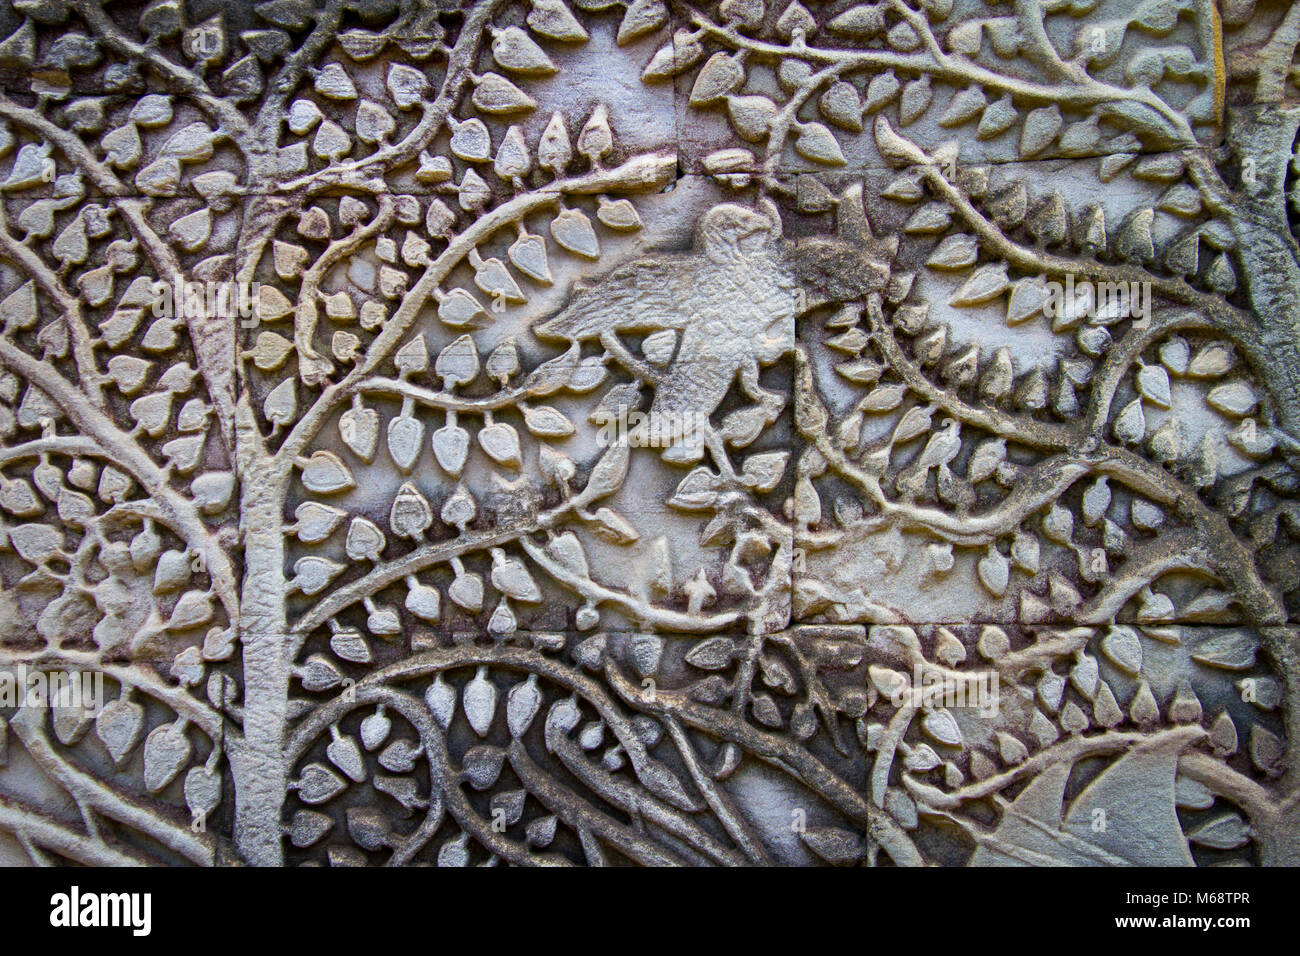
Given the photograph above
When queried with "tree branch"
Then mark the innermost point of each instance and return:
(91, 792)
(177, 76)
(129, 456)
(642, 172)
(44, 830)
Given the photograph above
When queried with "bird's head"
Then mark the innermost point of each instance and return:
(730, 232)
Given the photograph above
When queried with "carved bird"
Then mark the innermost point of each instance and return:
(939, 452)
(732, 299)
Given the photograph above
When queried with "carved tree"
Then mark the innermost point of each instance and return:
(364, 591)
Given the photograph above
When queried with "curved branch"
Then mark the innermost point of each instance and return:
(128, 455)
(1181, 550)
(184, 704)
(642, 172)
(358, 173)
(441, 401)
(177, 76)
(718, 799)
(960, 71)
(777, 751)
(424, 556)
(444, 776)
(582, 816)
(501, 655)
(640, 805)
(1228, 557)
(98, 796)
(1227, 319)
(103, 178)
(306, 312)
(1120, 357)
(47, 832)
(71, 445)
(1069, 750)
(642, 611)
(29, 263)
(295, 66)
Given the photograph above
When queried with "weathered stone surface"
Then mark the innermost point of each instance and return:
(584, 432)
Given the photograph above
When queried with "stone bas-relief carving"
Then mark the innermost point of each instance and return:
(592, 433)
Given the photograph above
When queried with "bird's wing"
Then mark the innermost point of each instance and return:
(700, 375)
(932, 452)
(940, 449)
(643, 296)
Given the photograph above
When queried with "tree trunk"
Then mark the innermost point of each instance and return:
(1262, 138)
(260, 771)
